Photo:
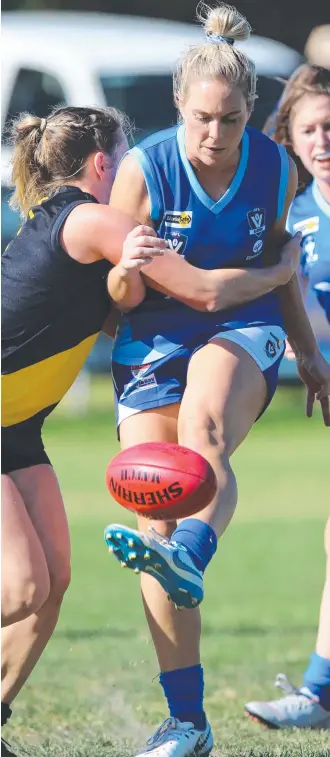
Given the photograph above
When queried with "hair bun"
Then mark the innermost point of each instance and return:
(223, 21)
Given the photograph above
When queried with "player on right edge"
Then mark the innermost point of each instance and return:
(303, 126)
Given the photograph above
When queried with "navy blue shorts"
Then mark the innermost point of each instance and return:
(146, 378)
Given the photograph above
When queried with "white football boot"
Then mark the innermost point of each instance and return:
(161, 558)
(176, 739)
(298, 709)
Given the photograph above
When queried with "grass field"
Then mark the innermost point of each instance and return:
(95, 693)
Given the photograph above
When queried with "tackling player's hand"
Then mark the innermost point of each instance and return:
(315, 373)
(290, 255)
(141, 245)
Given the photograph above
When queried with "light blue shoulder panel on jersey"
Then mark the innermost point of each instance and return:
(141, 155)
(310, 214)
(284, 179)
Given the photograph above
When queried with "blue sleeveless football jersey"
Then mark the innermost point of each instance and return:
(229, 233)
(310, 214)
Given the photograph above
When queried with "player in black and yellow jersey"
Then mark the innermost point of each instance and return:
(54, 290)
(54, 303)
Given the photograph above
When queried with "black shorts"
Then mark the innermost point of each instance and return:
(22, 445)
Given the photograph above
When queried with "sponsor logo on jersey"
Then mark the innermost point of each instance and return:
(308, 225)
(140, 381)
(178, 219)
(256, 249)
(145, 383)
(176, 241)
(256, 220)
(140, 370)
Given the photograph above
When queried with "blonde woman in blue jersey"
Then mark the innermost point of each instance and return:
(219, 193)
(54, 303)
(303, 126)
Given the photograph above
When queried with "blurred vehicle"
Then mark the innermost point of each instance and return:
(98, 59)
(51, 58)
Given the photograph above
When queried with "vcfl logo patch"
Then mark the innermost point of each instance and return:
(176, 241)
(256, 220)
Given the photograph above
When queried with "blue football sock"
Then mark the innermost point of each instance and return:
(184, 691)
(317, 679)
(199, 539)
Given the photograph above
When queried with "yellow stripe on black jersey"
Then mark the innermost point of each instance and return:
(53, 308)
(42, 385)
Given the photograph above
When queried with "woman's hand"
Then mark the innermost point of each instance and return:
(141, 245)
(290, 255)
(314, 371)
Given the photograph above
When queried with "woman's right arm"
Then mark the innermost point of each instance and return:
(94, 231)
(174, 276)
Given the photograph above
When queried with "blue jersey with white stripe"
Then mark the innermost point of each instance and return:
(208, 234)
(310, 214)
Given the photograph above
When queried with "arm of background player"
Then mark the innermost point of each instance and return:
(296, 321)
(172, 275)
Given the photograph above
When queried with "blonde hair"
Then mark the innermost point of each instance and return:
(49, 152)
(223, 25)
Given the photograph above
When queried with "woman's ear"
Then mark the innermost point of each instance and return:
(99, 164)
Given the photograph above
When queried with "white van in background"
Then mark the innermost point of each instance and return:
(51, 58)
(101, 59)
(97, 59)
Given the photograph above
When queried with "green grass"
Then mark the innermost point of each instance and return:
(95, 691)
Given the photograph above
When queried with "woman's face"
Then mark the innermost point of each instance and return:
(215, 115)
(109, 168)
(310, 134)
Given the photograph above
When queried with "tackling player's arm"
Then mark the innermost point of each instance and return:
(94, 231)
(171, 274)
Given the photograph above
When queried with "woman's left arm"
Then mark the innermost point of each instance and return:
(312, 367)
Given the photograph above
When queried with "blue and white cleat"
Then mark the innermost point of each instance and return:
(157, 556)
(298, 709)
(176, 739)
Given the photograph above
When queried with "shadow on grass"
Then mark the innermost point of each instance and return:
(245, 631)
(74, 634)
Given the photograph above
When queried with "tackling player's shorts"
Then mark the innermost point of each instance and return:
(159, 378)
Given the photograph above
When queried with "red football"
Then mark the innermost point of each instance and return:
(161, 480)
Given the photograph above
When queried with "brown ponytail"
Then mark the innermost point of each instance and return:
(48, 152)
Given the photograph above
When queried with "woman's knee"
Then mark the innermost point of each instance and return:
(24, 595)
(204, 432)
(200, 430)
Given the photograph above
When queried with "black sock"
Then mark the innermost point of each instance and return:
(5, 713)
